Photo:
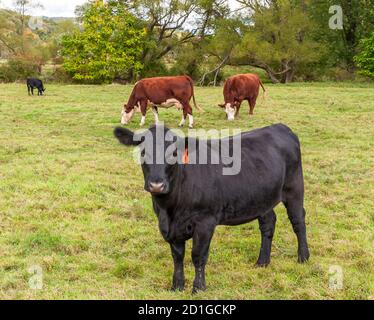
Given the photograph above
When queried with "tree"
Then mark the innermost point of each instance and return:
(23, 8)
(209, 14)
(365, 60)
(278, 39)
(164, 24)
(342, 45)
(9, 42)
(219, 47)
(108, 47)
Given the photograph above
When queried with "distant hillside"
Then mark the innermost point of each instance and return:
(41, 30)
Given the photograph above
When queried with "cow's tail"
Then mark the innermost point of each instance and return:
(193, 96)
(263, 88)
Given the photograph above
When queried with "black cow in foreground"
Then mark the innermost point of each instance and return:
(191, 200)
(33, 83)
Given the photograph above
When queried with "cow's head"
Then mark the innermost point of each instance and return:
(159, 156)
(230, 109)
(127, 115)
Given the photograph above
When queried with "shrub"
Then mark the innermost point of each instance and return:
(365, 60)
(59, 75)
(17, 69)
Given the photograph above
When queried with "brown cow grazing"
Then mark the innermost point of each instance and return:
(161, 92)
(239, 88)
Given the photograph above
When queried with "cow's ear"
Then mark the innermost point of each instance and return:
(222, 105)
(125, 136)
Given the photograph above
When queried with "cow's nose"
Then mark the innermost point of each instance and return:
(156, 187)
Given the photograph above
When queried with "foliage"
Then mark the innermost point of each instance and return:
(125, 40)
(365, 60)
(26, 51)
(108, 46)
(15, 70)
(342, 45)
(279, 41)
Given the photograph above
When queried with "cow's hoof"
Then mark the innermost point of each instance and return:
(262, 264)
(303, 259)
(303, 256)
(176, 288)
(190, 127)
(196, 290)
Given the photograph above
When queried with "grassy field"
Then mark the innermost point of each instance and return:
(72, 200)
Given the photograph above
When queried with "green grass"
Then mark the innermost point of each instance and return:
(72, 199)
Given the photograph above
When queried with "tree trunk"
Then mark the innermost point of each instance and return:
(271, 76)
(288, 76)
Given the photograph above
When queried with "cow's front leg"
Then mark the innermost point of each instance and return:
(237, 111)
(201, 242)
(155, 113)
(143, 109)
(178, 251)
(267, 227)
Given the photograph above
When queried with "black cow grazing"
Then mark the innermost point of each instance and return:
(190, 200)
(35, 83)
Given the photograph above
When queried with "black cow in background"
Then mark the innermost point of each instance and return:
(191, 200)
(33, 83)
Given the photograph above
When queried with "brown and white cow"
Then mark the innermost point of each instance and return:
(162, 92)
(239, 88)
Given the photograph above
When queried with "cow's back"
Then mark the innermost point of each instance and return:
(160, 89)
(268, 156)
(242, 85)
(34, 82)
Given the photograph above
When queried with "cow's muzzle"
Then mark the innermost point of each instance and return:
(157, 187)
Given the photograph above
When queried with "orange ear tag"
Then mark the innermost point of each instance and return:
(185, 157)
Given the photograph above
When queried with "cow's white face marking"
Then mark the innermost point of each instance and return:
(230, 111)
(126, 117)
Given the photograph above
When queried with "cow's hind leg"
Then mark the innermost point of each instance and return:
(187, 111)
(267, 227)
(183, 121)
(178, 251)
(296, 213)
